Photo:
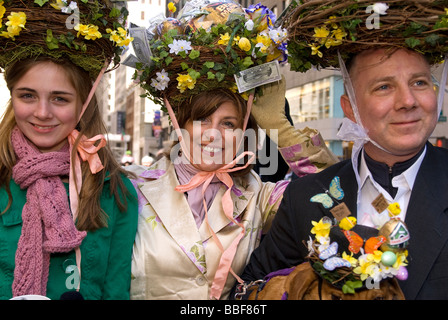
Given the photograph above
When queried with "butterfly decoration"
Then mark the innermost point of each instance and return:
(331, 260)
(334, 192)
(356, 242)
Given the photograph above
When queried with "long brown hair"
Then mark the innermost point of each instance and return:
(206, 103)
(90, 216)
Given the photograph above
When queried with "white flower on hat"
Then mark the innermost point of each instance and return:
(179, 46)
(249, 25)
(380, 8)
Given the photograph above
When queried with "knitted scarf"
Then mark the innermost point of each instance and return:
(47, 223)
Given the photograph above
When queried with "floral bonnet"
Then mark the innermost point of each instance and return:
(89, 33)
(205, 46)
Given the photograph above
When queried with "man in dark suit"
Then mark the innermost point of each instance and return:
(397, 106)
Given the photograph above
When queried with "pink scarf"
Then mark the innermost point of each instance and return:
(185, 173)
(47, 223)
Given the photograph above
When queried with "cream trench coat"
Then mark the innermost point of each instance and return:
(172, 258)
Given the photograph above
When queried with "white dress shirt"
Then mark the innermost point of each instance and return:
(369, 189)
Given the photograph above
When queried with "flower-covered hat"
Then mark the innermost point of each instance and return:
(89, 33)
(205, 47)
(318, 29)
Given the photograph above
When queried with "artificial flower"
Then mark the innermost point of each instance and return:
(171, 7)
(261, 15)
(2, 12)
(224, 39)
(16, 19)
(263, 42)
(353, 261)
(249, 25)
(185, 81)
(380, 8)
(58, 4)
(70, 8)
(244, 44)
(180, 46)
(315, 50)
(278, 35)
(162, 76)
(321, 34)
(321, 228)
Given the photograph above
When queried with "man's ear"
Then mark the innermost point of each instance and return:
(347, 107)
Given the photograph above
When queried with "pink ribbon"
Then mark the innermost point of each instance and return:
(88, 152)
(204, 178)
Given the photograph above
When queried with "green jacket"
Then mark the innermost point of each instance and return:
(105, 253)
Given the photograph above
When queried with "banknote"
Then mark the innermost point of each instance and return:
(140, 44)
(130, 61)
(258, 76)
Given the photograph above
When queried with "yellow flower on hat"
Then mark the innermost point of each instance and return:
(58, 4)
(244, 44)
(16, 19)
(171, 7)
(224, 39)
(2, 12)
(90, 32)
(321, 34)
(185, 81)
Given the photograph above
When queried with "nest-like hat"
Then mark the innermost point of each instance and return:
(318, 29)
(87, 32)
(204, 47)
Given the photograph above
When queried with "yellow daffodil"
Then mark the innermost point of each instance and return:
(16, 19)
(353, 261)
(315, 50)
(339, 34)
(90, 32)
(58, 4)
(171, 7)
(321, 229)
(401, 260)
(224, 39)
(82, 29)
(119, 37)
(321, 34)
(364, 268)
(244, 44)
(2, 12)
(375, 256)
(347, 223)
(185, 81)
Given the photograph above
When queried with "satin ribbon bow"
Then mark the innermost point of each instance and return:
(87, 151)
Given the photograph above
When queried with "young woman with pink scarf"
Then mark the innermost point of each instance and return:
(68, 210)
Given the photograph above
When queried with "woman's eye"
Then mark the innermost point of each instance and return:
(229, 124)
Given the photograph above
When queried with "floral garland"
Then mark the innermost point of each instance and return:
(377, 258)
(320, 28)
(43, 27)
(190, 56)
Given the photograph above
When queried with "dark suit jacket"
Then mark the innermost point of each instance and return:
(426, 219)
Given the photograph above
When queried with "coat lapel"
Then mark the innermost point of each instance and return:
(427, 221)
(173, 210)
(217, 218)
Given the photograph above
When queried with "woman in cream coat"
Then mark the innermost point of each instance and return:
(176, 256)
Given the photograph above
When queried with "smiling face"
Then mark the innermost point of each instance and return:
(396, 101)
(213, 139)
(46, 106)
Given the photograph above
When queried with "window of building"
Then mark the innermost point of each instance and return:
(310, 101)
